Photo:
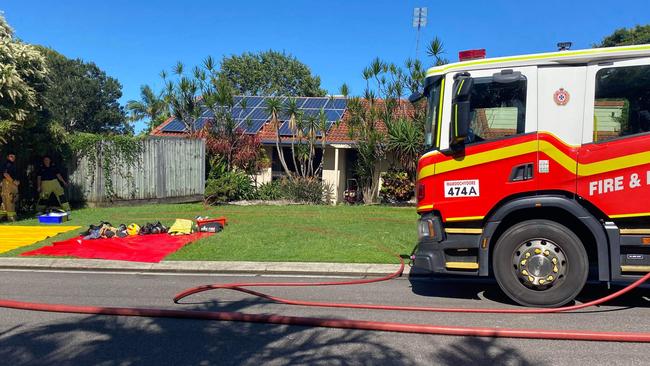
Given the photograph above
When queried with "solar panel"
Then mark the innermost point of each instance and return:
(208, 113)
(252, 126)
(200, 122)
(285, 130)
(236, 99)
(252, 102)
(337, 103)
(317, 103)
(332, 114)
(258, 113)
(254, 116)
(174, 126)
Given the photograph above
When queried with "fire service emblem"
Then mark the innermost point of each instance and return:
(561, 97)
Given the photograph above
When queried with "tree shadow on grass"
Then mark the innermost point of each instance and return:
(109, 340)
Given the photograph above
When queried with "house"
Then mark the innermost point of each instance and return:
(338, 156)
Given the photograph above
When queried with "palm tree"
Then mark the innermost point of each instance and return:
(151, 106)
(291, 109)
(273, 108)
(436, 49)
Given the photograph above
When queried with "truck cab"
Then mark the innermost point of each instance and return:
(538, 171)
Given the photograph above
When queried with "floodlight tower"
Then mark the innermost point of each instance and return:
(419, 22)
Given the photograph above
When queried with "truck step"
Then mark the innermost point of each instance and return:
(635, 268)
(634, 231)
(462, 265)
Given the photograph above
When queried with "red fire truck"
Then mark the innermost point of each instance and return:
(538, 171)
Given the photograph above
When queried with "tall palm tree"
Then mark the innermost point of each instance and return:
(151, 106)
(291, 109)
(274, 108)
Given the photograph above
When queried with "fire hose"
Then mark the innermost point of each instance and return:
(583, 335)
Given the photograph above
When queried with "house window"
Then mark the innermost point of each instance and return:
(622, 102)
(497, 109)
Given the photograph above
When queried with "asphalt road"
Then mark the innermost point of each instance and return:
(35, 338)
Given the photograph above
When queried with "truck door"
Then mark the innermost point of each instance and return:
(614, 162)
(497, 157)
(561, 102)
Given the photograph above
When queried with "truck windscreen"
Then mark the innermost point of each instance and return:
(434, 105)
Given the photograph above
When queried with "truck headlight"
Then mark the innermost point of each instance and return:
(426, 229)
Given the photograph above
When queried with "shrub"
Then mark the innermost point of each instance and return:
(229, 186)
(270, 191)
(306, 190)
(397, 187)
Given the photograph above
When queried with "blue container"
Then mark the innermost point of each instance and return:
(53, 218)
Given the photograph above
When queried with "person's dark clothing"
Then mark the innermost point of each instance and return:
(48, 173)
(10, 168)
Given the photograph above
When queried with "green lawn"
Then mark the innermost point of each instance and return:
(350, 234)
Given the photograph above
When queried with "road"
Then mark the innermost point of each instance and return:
(35, 338)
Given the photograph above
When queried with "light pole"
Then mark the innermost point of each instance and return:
(419, 22)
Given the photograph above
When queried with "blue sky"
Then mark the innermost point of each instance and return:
(134, 40)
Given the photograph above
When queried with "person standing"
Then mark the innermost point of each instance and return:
(10, 185)
(48, 182)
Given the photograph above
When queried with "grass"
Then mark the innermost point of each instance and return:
(346, 234)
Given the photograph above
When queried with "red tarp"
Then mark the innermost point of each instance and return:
(140, 248)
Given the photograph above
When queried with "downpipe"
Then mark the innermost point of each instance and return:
(579, 335)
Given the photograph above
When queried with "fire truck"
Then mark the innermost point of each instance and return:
(537, 171)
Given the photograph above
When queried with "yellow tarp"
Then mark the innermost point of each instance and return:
(12, 237)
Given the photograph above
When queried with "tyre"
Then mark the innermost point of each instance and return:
(540, 263)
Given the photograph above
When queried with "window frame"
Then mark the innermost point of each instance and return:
(530, 122)
(590, 97)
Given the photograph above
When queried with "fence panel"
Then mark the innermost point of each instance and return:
(168, 170)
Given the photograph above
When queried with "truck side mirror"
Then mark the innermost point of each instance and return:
(416, 96)
(460, 112)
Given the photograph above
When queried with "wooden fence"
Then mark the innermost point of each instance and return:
(168, 169)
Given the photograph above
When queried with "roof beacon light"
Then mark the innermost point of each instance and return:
(471, 54)
(564, 46)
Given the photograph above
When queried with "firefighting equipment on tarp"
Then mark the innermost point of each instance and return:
(182, 227)
(156, 228)
(133, 229)
(48, 188)
(9, 199)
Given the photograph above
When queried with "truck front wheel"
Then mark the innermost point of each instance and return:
(540, 263)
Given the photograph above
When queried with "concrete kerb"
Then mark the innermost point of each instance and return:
(202, 267)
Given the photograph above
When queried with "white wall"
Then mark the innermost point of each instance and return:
(266, 175)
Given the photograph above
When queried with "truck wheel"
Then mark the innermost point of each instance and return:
(540, 263)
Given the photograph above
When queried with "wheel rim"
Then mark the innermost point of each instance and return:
(539, 264)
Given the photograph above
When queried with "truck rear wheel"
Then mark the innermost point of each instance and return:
(540, 263)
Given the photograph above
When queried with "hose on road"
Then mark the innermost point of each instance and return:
(582, 335)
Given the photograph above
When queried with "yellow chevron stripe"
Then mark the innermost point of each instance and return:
(556, 154)
(570, 164)
(424, 207)
(630, 215)
(485, 157)
(466, 218)
(621, 162)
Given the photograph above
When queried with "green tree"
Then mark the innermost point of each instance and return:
(386, 88)
(436, 49)
(627, 36)
(270, 73)
(181, 93)
(23, 77)
(151, 107)
(81, 97)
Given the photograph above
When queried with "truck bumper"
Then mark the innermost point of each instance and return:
(440, 252)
